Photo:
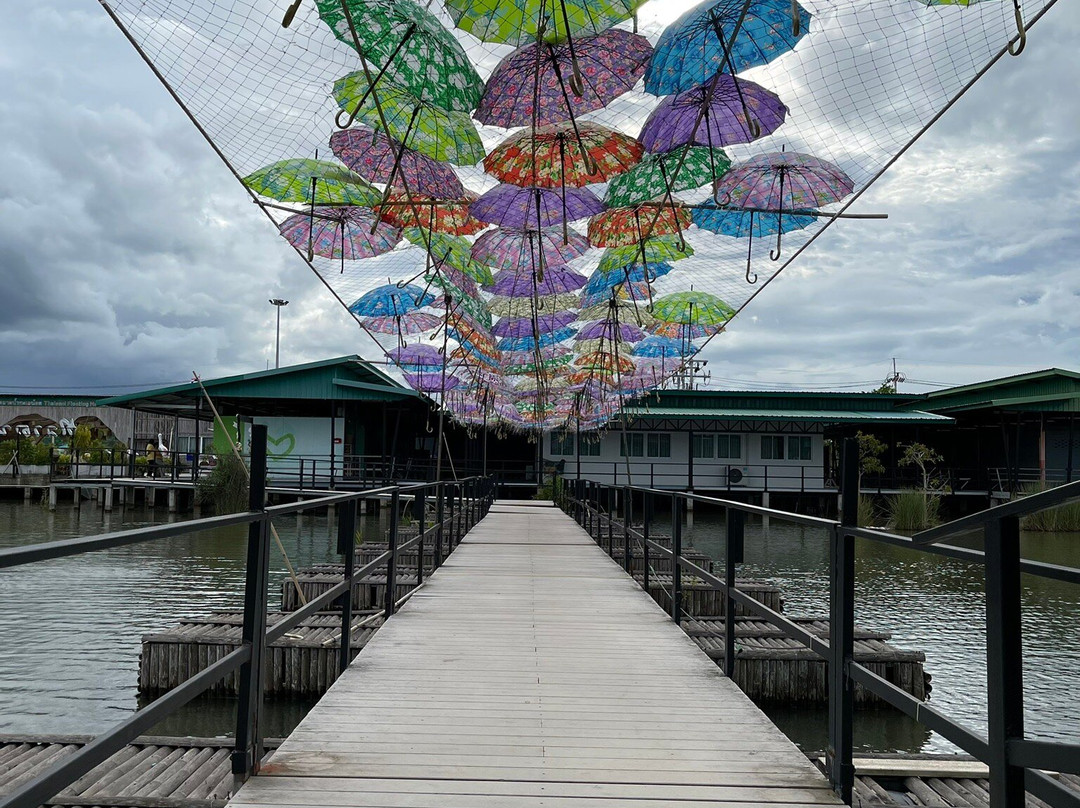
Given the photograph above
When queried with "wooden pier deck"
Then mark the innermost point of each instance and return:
(531, 671)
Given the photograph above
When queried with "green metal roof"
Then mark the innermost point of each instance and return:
(1051, 390)
(800, 415)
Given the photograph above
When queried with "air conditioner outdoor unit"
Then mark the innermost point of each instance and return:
(738, 475)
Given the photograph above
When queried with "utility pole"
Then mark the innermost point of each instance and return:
(692, 374)
(895, 377)
(278, 303)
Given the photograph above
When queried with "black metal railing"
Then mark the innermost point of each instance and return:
(1016, 763)
(458, 506)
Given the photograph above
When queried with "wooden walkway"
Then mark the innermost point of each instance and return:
(532, 671)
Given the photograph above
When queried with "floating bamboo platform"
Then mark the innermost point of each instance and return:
(302, 663)
(367, 594)
(770, 667)
(699, 597)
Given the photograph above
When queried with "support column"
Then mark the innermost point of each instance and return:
(28, 493)
(150, 496)
(78, 497)
(108, 501)
(172, 496)
(52, 497)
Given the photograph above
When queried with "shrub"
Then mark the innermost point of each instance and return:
(1064, 518)
(225, 487)
(913, 509)
(30, 453)
(867, 511)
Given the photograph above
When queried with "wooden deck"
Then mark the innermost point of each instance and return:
(521, 675)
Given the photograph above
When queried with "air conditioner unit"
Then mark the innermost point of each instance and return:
(738, 475)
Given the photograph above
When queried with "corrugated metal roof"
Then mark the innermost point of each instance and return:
(1052, 390)
(814, 416)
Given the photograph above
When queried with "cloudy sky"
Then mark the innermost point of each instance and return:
(130, 256)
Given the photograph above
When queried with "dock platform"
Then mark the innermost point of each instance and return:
(530, 670)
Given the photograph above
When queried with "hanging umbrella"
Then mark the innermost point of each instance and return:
(391, 300)
(448, 251)
(532, 342)
(748, 224)
(517, 250)
(404, 325)
(557, 156)
(692, 308)
(626, 227)
(416, 122)
(684, 332)
(556, 281)
(690, 50)
(514, 207)
(516, 22)
(639, 292)
(631, 273)
(293, 181)
(408, 44)
(657, 347)
(418, 357)
(627, 311)
(652, 250)
(449, 216)
(521, 363)
(605, 362)
(374, 156)
(432, 382)
(464, 295)
(343, 233)
(523, 326)
(780, 182)
(527, 307)
(610, 330)
(655, 176)
(723, 111)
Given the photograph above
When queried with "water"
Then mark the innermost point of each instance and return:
(71, 628)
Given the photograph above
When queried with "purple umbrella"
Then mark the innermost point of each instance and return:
(607, 329)
(610, 64)
(521, 249)
(556, 281)
(372, 155)
(340, 232)
(418, 355)
(515, 207)
(720, 112)
(431, 382)
(518, 327)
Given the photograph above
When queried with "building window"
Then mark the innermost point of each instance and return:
(772, 447)
(704, 446)
(729, 447)
(659, 444)
(589, 446)
(799, 447)
(562, 443)
(636, 443)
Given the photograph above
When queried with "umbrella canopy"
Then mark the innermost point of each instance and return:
(418, 123)
(447, 251)
(531, 84)
(783, 181)
(652, 250)
(432, 382)
(517, 250)
(684, 332)
(528, 307)
(343, 233)
(523, 326)
(515, 22)
(626, 227)
(405, 325)
(532, 342)
(655, 176)
(689, 51)
(409, 44)
(521, 363)
(391, 300)
(742, 223)
(723, 111)
(628, 312)
(610, 330)
(448, 216)
(514, 207)
(692, 308)
(556, 281)
(657, 347)
(560, 155)
(373, 155)
(293, 181)
(418, 356)
(630, 273)
(605, 362)
(637, 291)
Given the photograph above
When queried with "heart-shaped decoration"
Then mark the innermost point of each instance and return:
(288, 441)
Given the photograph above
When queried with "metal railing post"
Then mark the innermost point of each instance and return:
(733, 554)
(842, 628)
(676, 569)
(248, 750)
(391, 562)
(646, 517)
(1004, 660)
(420, 512)
(626, 528)
(346, 538)
(611, 521)
(440, 518)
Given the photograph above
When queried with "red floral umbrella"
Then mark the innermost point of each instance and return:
(624, 227)
(557, 156)
(449, 216)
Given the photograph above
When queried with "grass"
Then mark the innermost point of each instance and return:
(1064, 518)
(867, 511)
(912, 509)
(225, 487)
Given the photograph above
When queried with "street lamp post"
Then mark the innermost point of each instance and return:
(278, 303)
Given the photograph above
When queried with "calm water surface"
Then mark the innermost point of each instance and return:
(71, 628)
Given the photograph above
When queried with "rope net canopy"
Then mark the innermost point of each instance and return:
(539, 208)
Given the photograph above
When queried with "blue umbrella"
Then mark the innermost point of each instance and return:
(634, 273)
(689, 51)
(391, 300)
(530, 343)
(749, 223)
(657, 347)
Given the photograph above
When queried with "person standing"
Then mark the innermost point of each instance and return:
(152, 457)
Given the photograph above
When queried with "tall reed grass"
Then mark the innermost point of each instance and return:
(914, 509)
(1063, 519)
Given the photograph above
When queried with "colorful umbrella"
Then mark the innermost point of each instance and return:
(610, 330)
(748, 223)
(293, 181)
(655, 175)
(446, 251)
(626, 227)
(523, 326)
(692, 308)
(521, 363)
(532, 342)
(637, 291)
(432, 382)
(418, 356)
(448, 216)
(658, 248)
(527, 307)
(516, 22)
(605, 362)
(628, 312)
(517, 250)
(657, 347)
(690, 50)
(631, 273)
(684, 332)
(519, 208)
(408, 44)
(723, 111)
(560, 155)
(391, 300)
(344, 233)
(405, 325)
(418, 123)
(373, 155)
(556, 281)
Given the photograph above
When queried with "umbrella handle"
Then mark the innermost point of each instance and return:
(290, 13)
(796, 23)
(1021, 42)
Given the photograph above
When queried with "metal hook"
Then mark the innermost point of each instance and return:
(749, 252)
(1021, 42)
(775, 256)
(290, 13)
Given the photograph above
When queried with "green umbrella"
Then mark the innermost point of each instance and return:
(653, 251)
(416, 51)
(651, 177)
(463, 300)
(291, 181)
(454, 252)
(692, 308)
(419, 124)
(516, 22)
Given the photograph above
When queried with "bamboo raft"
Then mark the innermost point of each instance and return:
(699, 597)
(303, 663)
(770, 667)
(367, 593)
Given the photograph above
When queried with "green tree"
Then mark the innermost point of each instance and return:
(870, 451)
(925, 459)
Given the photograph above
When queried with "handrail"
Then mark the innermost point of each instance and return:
(459, 505)
(1016, 762)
